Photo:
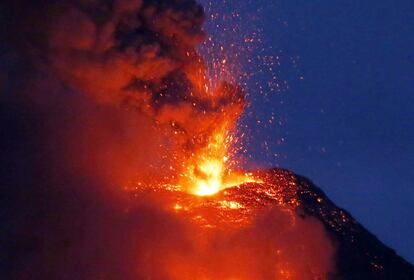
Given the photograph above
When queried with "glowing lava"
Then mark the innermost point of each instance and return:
(208, 172)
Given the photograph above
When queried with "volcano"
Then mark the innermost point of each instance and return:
(358, 254)
(280, 227)
(120, 158)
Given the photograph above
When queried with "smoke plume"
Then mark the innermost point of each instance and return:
(129, 55)
(95, 94)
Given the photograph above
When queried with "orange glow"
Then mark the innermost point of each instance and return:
(207, 172)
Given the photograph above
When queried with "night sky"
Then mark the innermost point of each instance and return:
(346, 104)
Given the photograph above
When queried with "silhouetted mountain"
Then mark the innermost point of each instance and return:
(359, 253)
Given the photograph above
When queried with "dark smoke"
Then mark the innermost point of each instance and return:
(136, 54)
(94, 94)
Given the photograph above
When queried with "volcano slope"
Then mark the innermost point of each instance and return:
(355, 253)
(359, 254)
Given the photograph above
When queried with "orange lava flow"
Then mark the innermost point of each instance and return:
(207, 171)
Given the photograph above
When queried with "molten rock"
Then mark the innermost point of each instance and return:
(281, 228)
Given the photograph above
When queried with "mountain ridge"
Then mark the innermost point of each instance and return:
(360, 254)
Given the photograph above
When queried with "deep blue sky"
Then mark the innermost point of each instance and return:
(349, 123)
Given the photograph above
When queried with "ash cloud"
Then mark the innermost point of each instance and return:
(94, 93)
(136, 54)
